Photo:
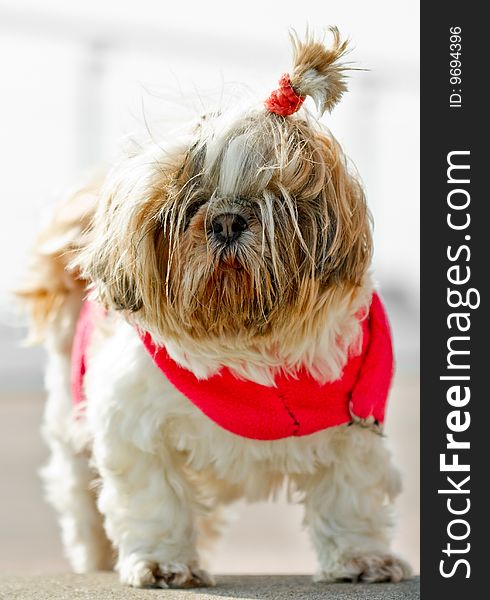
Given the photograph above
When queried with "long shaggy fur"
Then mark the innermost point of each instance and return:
(318, 71)
(141, 471)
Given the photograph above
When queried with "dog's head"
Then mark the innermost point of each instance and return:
(249, 227)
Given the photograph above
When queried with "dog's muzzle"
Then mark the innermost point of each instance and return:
(227, 227)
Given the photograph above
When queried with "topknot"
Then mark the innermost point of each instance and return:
(318, 71)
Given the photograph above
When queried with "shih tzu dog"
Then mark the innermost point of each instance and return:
(213, 332)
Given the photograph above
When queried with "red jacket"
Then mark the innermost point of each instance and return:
(294, 406)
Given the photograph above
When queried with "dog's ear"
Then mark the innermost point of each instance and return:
(347, 248)
(116, 289)
(119, 260)
(106, 264)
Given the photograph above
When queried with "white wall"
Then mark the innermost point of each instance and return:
(76, 76)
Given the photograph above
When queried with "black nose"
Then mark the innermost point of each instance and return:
(228, 227)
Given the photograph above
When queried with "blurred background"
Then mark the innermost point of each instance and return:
(75, 79)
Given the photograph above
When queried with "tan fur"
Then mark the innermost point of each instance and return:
(308, 245)
(318, 70)
(50, 281)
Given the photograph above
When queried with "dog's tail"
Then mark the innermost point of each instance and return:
(51, 291)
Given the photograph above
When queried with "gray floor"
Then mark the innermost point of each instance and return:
(102, 586)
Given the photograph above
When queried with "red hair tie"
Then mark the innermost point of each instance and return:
(284, 101)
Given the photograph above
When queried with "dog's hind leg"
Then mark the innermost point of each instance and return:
(68, 477)
(53, 293)
(68, 481)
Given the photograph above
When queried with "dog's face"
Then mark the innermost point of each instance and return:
(243, 232)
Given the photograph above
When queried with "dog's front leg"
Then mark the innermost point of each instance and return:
(348, 509)
(148, 508)
(147, 503)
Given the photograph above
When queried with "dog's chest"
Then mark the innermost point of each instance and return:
(206, 447)
(151, 409)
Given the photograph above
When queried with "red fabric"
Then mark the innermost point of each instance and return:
(83, 333)
(295, 406)
(284, 101)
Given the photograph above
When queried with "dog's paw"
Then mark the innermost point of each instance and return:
(150, 574)
(369, 568)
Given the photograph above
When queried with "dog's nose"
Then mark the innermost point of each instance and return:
(228, 227)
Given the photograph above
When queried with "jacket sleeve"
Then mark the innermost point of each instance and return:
(370, 393)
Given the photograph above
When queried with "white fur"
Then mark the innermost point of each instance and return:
(67, 477)
(162, 467)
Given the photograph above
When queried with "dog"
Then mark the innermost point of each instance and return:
(213, 332)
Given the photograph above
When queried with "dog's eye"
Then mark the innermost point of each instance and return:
(192, 210)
